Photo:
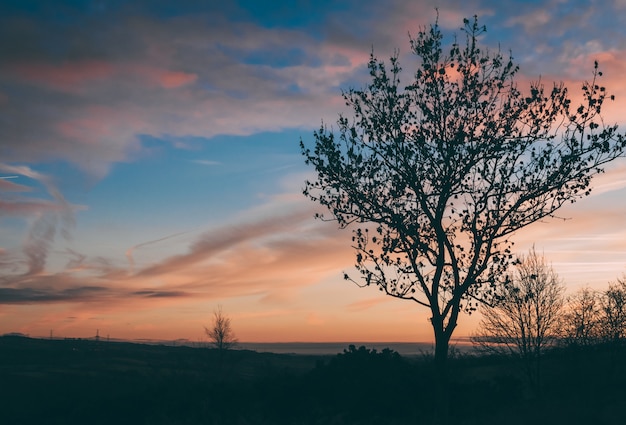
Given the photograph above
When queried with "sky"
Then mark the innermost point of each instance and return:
(150, 163)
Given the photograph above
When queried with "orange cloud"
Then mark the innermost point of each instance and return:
(368, 303)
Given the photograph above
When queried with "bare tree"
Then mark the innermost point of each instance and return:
(435, 176)
(613, 312)
(580, 322)
(524, 318)
(221, 332)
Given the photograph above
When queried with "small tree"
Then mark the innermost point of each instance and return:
(613, 312)
(524, 318)
(436, 175)
(221, 333)
(580, 322)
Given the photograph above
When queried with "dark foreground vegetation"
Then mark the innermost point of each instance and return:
(97, 382)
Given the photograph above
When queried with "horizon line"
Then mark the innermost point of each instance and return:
(114, 339)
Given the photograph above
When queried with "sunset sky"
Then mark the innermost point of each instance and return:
(151, 169)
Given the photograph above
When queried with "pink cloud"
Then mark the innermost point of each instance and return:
(106, 104)
(175, 79)
(28, 207)
(86, 127)
(72, 76)
(67, 76)
(97, 136)
(152, 74)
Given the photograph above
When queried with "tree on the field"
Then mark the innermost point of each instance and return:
(524, 317)
(439, 173)
(613, 312)
(580, 322)
(434, 176)
(221, 332)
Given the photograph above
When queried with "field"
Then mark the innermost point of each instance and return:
(97, 382)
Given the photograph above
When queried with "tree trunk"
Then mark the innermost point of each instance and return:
(442, 403)
(442, 342)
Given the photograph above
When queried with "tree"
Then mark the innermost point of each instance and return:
(613, 312)
(434, 176)
(595, 316)
(524, 319)
(580, 323)
(221, 332)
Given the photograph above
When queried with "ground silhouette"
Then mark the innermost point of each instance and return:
(99, 382)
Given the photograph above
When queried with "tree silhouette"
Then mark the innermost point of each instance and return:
(221, 332)
(613, 312)
(524, 318)
(436, 175)
(580, 322)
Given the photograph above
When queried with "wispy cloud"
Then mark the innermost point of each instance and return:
(49, 217)
(205, 162)
(33, 295)
(367, 303)
(129, 251)
(264, 255)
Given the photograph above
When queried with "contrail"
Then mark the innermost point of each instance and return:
(9, 177)
(129, 252)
